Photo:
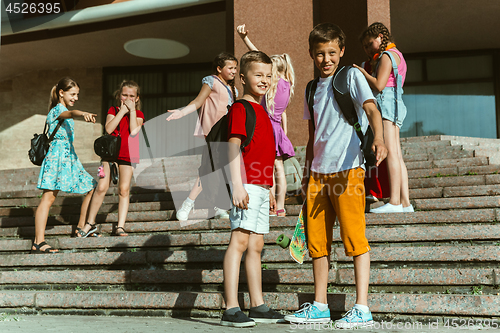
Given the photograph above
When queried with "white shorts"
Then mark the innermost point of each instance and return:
(256, 218)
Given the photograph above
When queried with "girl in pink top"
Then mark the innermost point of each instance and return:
(387, 80)
(275, 103)
(216, 95)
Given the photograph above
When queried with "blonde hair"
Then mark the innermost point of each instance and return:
(282, 66)
(64, 84)
(129, 84)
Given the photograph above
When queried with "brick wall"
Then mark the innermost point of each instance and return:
(24, 105)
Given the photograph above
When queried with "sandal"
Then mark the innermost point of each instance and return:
(38, 248)
(281, 211)
(91, 233)
(94, 234)
(120, 233)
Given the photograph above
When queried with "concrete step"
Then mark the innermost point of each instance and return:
(109, 217)
(458, 203)
(454, 171)
(66, 280)
(418, 217)
(431, 150)
(453, 153)
(458, 162)
(421, 139)
(380, 303)
(75, 209)
(428, 144)
(70, 205)
(422, 155)
(458, 255)
(470, 180)
(376, 234)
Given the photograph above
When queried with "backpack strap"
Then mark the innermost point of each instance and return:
(251, 120)
(310, 91)
(344, 100)
(53, 134)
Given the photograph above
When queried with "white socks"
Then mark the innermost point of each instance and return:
(363, 308)
(320, 306)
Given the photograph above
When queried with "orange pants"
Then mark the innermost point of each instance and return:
(338, 195)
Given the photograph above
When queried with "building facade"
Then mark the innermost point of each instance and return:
(452, 87)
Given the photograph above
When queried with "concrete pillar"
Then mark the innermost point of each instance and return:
(275, 27)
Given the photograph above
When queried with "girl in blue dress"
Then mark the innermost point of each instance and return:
(61, 169)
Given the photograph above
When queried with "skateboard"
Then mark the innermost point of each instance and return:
(298, 244)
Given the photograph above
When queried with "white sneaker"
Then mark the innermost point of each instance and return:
(408, 209)
(221, 213)
(183, 213)
(388, 208)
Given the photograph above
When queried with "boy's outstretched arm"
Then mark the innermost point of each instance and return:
(309, 159)
(244, 36)
(240, 195)
(375, 120)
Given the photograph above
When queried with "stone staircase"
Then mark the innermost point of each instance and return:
(441, 261)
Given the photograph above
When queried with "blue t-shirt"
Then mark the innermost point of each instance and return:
(336, 144)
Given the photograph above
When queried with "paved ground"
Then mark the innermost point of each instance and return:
(85, 324)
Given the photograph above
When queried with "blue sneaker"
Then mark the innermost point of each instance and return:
(355, 318)
(309, 314)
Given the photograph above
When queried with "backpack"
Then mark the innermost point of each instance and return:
(40, 144)
(293, 174)
(343, 98)
(107, 147)
(215, 157)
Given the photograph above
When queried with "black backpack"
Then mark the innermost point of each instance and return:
(214, 180)
(343, 98)
(40, 144)
(107, 147)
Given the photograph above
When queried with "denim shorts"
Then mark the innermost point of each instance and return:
(256, 217)
(387, 103)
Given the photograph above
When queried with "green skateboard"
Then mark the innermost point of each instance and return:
(298, 244)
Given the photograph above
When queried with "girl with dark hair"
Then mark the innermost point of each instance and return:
(124, 120)
(216, 95)
(61, 169)
(388, 78)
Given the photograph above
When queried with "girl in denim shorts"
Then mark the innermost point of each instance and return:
(388, 77)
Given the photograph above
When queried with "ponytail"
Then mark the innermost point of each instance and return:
(54, 99)
(233, 89)
(64, 84)
(289, 73)
(282, 65)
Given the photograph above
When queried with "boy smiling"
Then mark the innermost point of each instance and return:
(333, 178)
(251, 197)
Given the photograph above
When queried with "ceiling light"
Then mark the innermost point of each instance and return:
(156, 48)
